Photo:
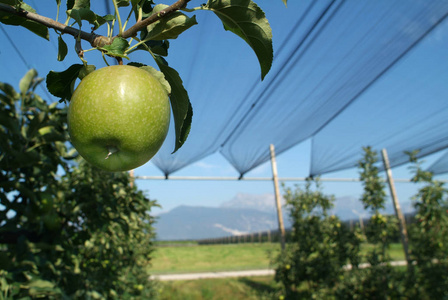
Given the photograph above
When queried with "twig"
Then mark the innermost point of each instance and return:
(117, 13)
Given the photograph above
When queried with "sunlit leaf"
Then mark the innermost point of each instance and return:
(117, 48)
(27, 81)
(169, 27)
(122, 3)
(159, 75)
(9, 90)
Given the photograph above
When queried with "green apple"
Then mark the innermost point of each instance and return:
(118, 117)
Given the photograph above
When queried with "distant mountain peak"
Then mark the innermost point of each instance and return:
(261, 202)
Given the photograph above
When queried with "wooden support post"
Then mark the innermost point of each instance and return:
(281, 227)
(398, 213)
(131, 174)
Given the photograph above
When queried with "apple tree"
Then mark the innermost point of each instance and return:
(319, 247)
(67, 230)
(148, 27)
(429, 233)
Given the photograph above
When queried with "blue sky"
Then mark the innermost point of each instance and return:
(40, 54)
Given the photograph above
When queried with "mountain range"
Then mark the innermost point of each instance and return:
(245, 213)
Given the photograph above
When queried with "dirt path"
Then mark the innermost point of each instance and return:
(246, 273)
(195, 276)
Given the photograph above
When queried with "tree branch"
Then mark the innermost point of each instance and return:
(94, 39)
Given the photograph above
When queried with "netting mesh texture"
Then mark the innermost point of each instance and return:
(346, 74)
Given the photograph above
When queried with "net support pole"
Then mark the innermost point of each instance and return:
(132, 178)
(281, 226)
(398, 213)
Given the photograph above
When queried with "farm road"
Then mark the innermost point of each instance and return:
(195, 276)
(246, 273)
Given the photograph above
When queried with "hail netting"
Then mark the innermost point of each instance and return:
(346, 74)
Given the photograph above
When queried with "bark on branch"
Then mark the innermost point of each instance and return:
(94, 39)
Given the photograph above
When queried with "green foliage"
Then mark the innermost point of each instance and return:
(320, 244)
(67, 230)
(429, 234)
(170, 27)
(380, 280)
(374, 195)
(376, 282)
(380, 229)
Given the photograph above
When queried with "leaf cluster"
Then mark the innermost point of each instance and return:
(311, 266)
(320, 244)
(374, 196)
(429, 232)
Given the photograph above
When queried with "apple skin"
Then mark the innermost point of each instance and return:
(118, 117)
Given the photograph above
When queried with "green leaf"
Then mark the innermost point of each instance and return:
(39, 283)
(143, 6)
(180, 103)
(82, 14)
(117, 48)
(37, 28)
(62, 49)
(77, 4)
(157, 47)
(86, 70)
(35, 124)
(27, 81)
(159, 75)
(102, 20)
(7, 120)
(9, 91)
(61, 84)
(248, 21)
(169, 27)
(26, 7)
(9, 2)
(122, 3)
(285, 2)
(50, 134)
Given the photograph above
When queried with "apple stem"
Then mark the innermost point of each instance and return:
(111, 150)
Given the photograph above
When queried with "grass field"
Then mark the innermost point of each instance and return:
(191, 258)
(221, 289)
(204, 258)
